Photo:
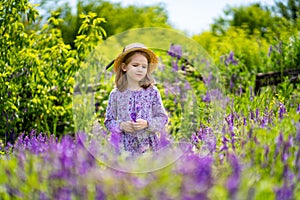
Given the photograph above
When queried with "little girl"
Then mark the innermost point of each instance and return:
(135, 109)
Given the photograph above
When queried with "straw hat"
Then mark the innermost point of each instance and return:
(130, 48)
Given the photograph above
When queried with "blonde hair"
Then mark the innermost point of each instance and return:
(121, 78)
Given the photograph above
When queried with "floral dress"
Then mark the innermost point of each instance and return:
(131, 105)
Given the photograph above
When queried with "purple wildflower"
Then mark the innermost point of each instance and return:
(270, 50)
(183, 68)
(297, 133)
(285, 192)
(251, 115)
(287, 175)
(233, 181)
(229, 119)
(175, 65)
(267, 150)
(175, 51)
(208, 79)
(206, 98)
(207, 137)
(231, 84)
(264, 122)
(282, 110)
(285, 151)
(187, 86)
(197, 176)
(194, 138)
(244, 121)
(298, 108)
(230, 59)
(279, 141)
(257, 113)
(251, 93)
(224, 147)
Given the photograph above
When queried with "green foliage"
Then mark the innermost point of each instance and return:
(255, 17)
(284, 54)
(37, 70)
(117, 17)
(288, 9)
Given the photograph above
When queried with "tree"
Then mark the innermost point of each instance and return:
(118, 18)
(289, 9)
(253, 18)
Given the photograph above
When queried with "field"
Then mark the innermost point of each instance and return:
(225, 138)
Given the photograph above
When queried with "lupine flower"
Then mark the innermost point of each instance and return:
(251, 115)
(267, 150)
(230, 59)
(287, 174)
(197, 176)
(279, 47)
(231, 84)
(250, 132)
(206, 98)
(187, 86)
(251, 93)
(230, 121)
(194, 138)
(285, 192)
(175, 51)
(224, 147)
(285, 150)
(207, 137)
(264, 122)
(257, 113)
(183, 67)
(270, 50)
(282, 110)
(244, 121)
(233, 181)
(297, 133)
(279, 141)
(207, 80)
(240, 90)
(175, 65)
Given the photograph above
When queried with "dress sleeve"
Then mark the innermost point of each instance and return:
(111, 121)
(159, 116)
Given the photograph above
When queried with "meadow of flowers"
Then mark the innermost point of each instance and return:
(238, 144)
(256, 156)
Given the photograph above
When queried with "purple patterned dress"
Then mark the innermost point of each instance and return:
(144, 104)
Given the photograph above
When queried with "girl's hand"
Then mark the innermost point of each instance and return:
(127, 126)
(139, 124)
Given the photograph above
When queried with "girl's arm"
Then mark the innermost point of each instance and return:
(111, 122)
(159, 118)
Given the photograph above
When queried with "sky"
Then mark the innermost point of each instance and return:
(193, 16)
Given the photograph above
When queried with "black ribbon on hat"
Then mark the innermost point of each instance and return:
(109, 64)
(112, 62)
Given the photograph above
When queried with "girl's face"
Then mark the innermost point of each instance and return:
(137, 68)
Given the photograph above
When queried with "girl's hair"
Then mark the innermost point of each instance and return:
(121, 78)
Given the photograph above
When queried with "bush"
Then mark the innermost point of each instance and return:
(37, 70)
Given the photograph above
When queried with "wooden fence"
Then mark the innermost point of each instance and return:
(274, 78)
